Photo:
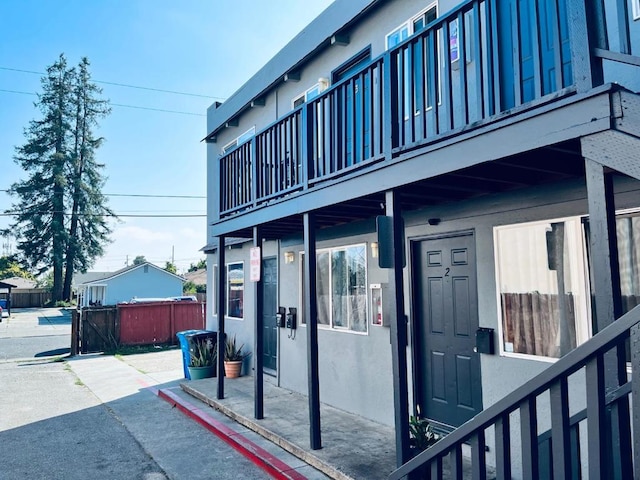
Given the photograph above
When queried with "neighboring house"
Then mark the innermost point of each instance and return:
(449, 196)
(197, 277)
(20, 284)
(25, 293)
(110, 288)
(5, 298)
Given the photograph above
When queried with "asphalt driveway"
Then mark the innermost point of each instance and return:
(35, 333)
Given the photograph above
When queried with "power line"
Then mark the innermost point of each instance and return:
(141, 195)
(158, 109)
(119, 105)
(147, 196)
(16, 91)
(114, 215)
(126, 85)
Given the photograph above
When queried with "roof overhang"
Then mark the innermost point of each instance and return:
(323, 32)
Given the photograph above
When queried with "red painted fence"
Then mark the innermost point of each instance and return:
(101, 329)
(158, 322)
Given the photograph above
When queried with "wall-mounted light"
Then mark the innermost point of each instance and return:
(374, 249)
(289, 257)
(324, 83)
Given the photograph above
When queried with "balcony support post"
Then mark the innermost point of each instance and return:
(221, 286)
(390, 114)
(398, 331)
(311, 316)
(587, 30)
(218, 201)
(604, 246)
(253, 162)
(609, 307)
(635, 395)
(258, 333)
(306, 136)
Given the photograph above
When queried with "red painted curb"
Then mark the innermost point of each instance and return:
(258, 455)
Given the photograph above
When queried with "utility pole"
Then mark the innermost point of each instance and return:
(6, 247)
(173, 259)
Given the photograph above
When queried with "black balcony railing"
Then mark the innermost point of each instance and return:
(235, 178)
(346, 124)
(562, 444)
(470, 65)
(279, 149)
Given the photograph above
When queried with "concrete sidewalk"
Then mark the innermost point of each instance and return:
(126, 383)
(352, 447)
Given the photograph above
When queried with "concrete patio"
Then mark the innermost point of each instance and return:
(352, 447)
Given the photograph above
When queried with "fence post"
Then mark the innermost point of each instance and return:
(74, 333)
(172, 323)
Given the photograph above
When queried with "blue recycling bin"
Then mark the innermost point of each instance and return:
(184, 346)
(186, 338)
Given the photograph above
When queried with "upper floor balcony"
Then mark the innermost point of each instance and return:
(481, 63)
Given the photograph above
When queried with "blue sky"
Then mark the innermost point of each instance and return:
(207, 48)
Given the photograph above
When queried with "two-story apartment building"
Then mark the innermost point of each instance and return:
(446, 197)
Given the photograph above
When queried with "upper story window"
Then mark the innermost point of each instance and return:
(636, 9)
(411, 26)
(349, 67)
(311, 93)
(239, 140)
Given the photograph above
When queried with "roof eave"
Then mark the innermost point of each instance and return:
(313, 38)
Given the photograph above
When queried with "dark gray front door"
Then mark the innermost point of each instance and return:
(270, 299)
(448, 380)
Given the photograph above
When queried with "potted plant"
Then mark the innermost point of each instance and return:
(422, 437)
(202, 361)
(233, 357)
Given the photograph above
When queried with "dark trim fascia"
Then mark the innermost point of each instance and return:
(335, 19)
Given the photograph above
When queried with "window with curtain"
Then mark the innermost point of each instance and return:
(628, 233)
(542, 293)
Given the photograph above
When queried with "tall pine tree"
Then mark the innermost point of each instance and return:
(61, 213)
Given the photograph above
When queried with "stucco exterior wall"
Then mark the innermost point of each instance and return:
(355, 369)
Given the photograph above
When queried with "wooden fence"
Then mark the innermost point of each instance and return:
(35, 297)
(99, 329)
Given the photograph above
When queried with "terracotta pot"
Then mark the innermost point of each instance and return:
(232, 369)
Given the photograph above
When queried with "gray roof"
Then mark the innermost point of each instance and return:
(82, 278)
(212, 246)
(6, 286)
(199, 277)
(312, 39)
(19, 282)
(92, 277)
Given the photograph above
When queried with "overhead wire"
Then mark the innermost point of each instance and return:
(144, 195)
(126, 85)
(113, 215)
(119, 105)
